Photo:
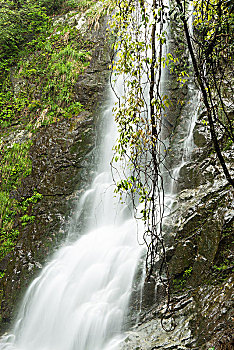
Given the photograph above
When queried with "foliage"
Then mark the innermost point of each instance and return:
(214, 22)
(40, 61)
(20, 21)
(44, 90)
(11, 106)
(51, 6)
(26, 219)
(15, 165)
(8, 241)
(180, 282)
(140, 30)
(211, 51)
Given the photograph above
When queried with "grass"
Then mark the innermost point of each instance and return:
(37, 89)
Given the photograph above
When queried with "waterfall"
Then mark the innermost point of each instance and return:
(188, 121)
(80, 299)
(184, 149)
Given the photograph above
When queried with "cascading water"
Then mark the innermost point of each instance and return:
(188, 122)
(186, 146)
(80, 299)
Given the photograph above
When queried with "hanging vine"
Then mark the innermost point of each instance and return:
(211, 51)
(140, 31)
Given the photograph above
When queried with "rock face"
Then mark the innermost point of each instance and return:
(201, 319)
(198, 233)
(199, 237)
(62, 156)
(156, 332)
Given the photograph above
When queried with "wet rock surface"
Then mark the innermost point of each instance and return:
(62, 156)
(199, 238)
(201, 319)
(198, 234)
(163, 331)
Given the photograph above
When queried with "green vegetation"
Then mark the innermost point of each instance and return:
(142, 33)
(26, 219)
(42, 88)
(41, 58)
(21, 21)
(48, 77)
(15, 165)
(179, 283)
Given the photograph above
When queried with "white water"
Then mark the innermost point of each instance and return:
(187, 144)
(80, 299)
(189, 119)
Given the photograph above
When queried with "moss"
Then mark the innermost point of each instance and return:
(56, 59)
(39, 90)
(15, 165)
(223, 267)
(228, 144)
(179, 283)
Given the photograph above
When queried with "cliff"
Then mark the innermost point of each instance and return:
(60, 147)
(198, 233)
(54, 146)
